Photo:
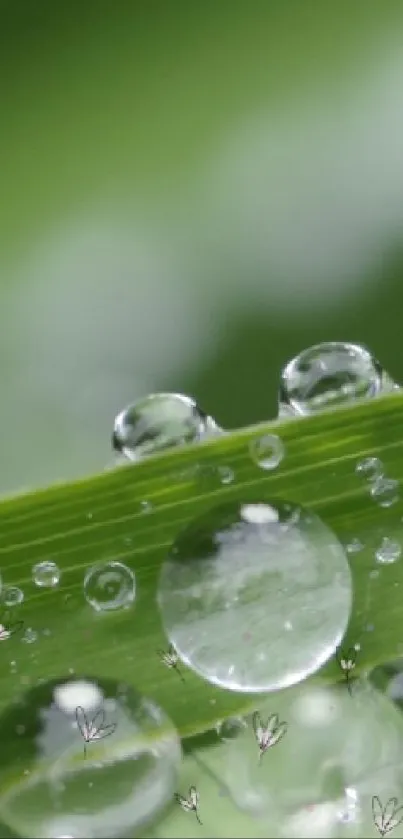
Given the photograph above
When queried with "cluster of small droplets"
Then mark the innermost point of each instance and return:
(383, 490)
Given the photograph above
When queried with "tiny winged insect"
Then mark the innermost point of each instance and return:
(94, 729)
(388, 817)
(267, 735)
(191, 803)
(9, 630)
(171, 660)
(346, 662)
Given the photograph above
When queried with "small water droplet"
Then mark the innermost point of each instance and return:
(227, 577)
(374, 574)
(357, 647)
(12, 596)
(29, 635)
(388, 551)
(369, 468)
(230, 728)
(109, 585)
(385, 491)
(267, 451)
(146, 506)
(46, 574)
(354, 546)
(226, 474)
(327, 375)
(369, 627)
(158, 422)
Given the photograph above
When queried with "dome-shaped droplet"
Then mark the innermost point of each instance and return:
(12, 596)
(388, 551)
(255, 603)
(96, 759)
(327, 375)
(46, 574)
(109, 585)
(158, 422)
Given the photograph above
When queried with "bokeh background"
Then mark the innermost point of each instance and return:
(191, 193)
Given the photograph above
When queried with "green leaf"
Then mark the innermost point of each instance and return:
(103, 518)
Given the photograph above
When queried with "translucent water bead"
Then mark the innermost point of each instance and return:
(255, 602)
(51, 787)
(327, 375)
(160, 421)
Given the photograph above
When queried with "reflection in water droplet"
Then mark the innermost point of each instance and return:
(327, 375)
(267, 451)
(49, 789)
(46, 574)
(12, 596)
(369, 468)
(258, 513)
(160, 421)
(226, 576)
(385, 491)
(388, 551)
(109, 585)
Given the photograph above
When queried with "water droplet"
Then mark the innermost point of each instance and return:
(354, 546)
(146, 506)
(109, 585)
(374, 574)
(230, 728)
(388, 551)
(227, 576)
(29, 636)
(369, 468)
(327, 375)
(12, 596)
(46, 574)
(385, 491)
(122, 784)
(267, 451)
(158, 422)
(226, 474)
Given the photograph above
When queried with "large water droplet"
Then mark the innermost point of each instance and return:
(327, 375)
(12, 596)
(158, 422)
(267, 451)
(46, 574)
(109, 585)
(229, 576)
(388, 551)
(49, 788)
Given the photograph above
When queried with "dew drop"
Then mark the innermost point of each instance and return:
(109, 585)
(29, 636)
(370, 468)
(385, 491)
(388, 551)
(354, 546)
(226, 577)
(12, 596)
(226, 474)
(46, 574)
(267, 451)
(124, 781)
(230, 728)
(146, 506)
(158, 422)
(327, 375)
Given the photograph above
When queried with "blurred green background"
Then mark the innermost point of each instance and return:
(191, 193)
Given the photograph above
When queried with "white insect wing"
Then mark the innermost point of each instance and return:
(185, 804)
(194, 798)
